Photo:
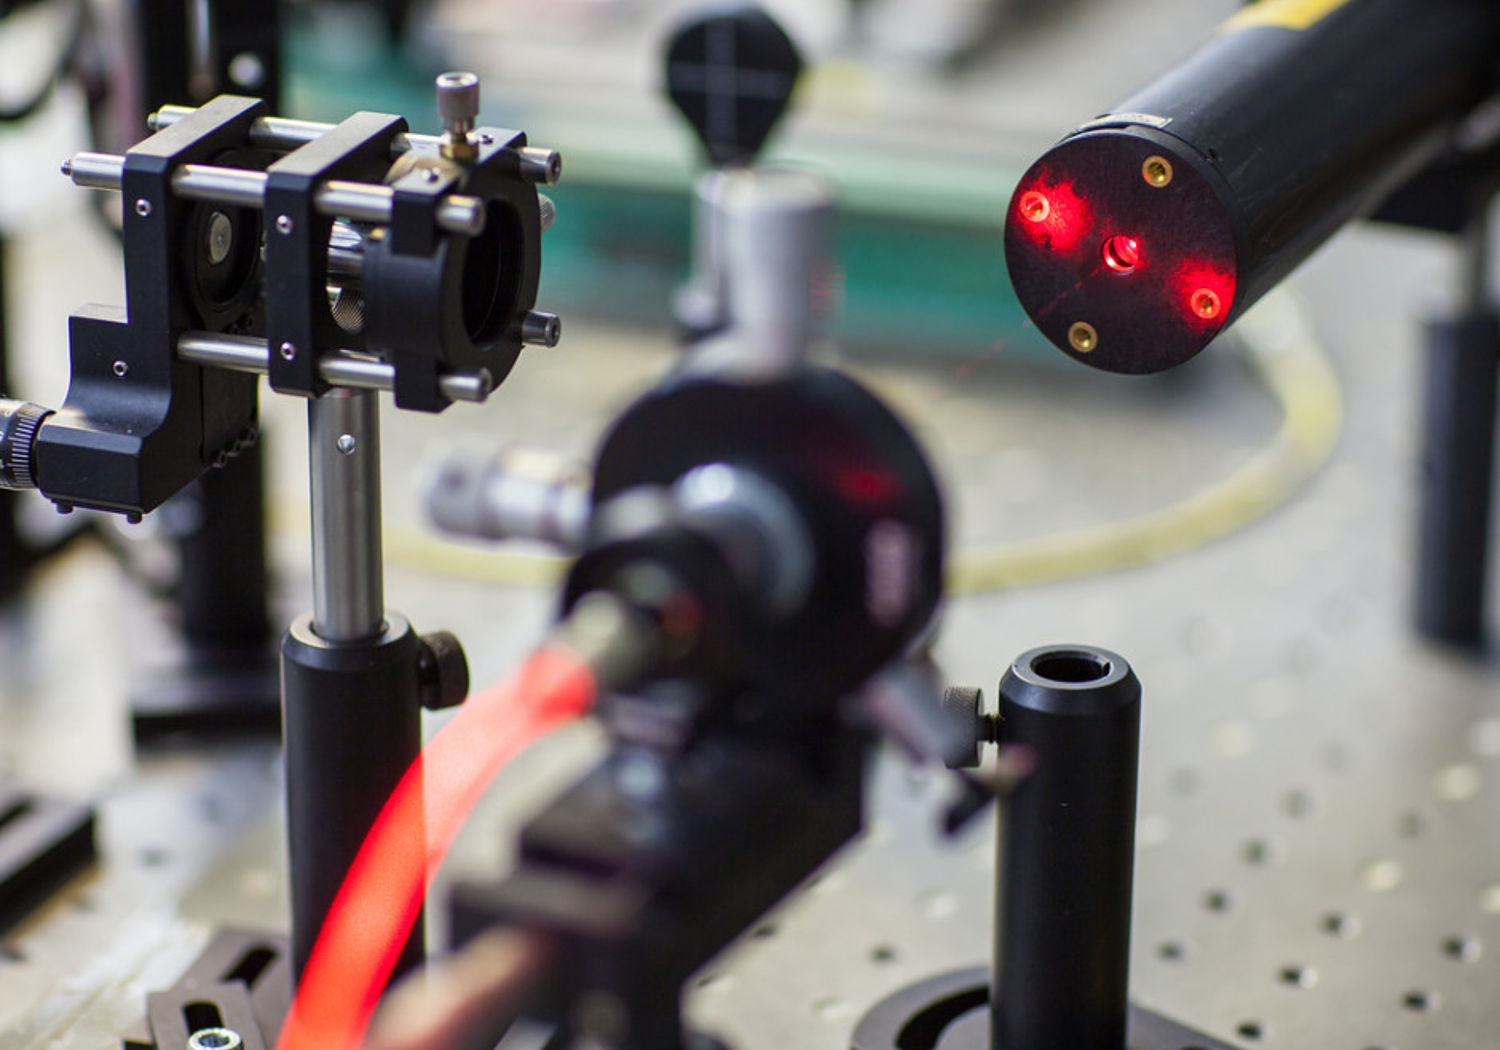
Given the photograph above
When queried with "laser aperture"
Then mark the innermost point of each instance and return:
(1122, 253)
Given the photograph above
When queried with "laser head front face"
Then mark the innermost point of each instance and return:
(1121, 250)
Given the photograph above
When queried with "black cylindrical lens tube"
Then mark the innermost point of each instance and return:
(1066, 852)
(222, 588)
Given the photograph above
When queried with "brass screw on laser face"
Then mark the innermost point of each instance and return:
(1035, 206)
(1157, 171)
(1083, 337)
(1206, 303)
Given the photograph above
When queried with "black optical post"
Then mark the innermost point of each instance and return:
(1458, 441)
(350, 673)
(224, 677)
(1066, 851)
(1059, 977)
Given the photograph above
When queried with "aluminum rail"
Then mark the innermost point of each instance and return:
(241, 353)
(343, 440)
(237, 187)
(282, 135)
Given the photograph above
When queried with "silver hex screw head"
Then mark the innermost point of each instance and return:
(458, 105)
(458, 100)
(215, 1039)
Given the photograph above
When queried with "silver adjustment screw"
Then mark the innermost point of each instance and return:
(247, 70)
(345, 443)
(215, 1039)
(540, 165)
(142, 207)
(458, 105)
(121, 369)
(288, 352)
(283, 224)
(541, 329)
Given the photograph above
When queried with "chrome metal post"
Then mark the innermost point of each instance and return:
(344, 462)
(350, 673)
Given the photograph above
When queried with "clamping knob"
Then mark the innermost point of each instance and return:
(442, 670)
(964, 705)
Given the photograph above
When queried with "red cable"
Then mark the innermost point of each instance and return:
(382, 894)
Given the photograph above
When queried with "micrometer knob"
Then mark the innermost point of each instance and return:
(19, 423)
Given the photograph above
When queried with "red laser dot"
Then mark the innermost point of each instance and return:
(1122, 254)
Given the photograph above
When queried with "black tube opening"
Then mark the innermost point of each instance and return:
(1070, 665)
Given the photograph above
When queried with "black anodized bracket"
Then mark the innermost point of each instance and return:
(139, 423)
(299, 325)
(448, 303)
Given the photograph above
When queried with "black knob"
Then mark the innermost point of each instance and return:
(732, 74)
(19, 422)
(442, 670)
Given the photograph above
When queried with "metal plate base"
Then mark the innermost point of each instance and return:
(242, 981)
(951, 1012)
